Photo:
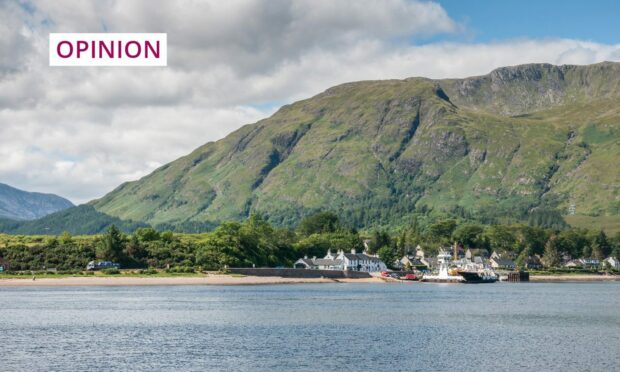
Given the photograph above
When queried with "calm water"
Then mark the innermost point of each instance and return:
(427, 327)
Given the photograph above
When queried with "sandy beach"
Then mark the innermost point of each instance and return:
(573, 278)
(143, 281)
(239, 280)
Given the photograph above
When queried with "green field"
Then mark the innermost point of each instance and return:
(610, 224)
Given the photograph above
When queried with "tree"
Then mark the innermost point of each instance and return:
(469, 235)
(135, 252)
(603, 243)
(147, 234)
(403, 244)
(586, 252)
(572, 241)
(386, 254)
(65, 238)
(441, 232)
(523, 256)
(324, 222)
(547, 218)
(379, 239)
(500, 237)
(111, 245)
(534, 238)
(597, 252)
(415, 234)
(551, 257)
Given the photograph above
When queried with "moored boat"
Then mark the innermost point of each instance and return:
(410, 276)
(443, 276)
(481, 276)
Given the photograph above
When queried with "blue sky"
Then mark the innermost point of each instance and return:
(488, 20)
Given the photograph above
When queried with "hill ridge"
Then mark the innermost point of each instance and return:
(487, 147)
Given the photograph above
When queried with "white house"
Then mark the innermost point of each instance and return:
(502, 263)
(419, 252)
(573, 264)
(614, 262)
(343, 261)
(590, 263)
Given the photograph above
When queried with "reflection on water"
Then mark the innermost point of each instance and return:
(409, 326)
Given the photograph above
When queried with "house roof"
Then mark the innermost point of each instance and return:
(533, 259)
(361, 256)
(306, 261)
(327, 262)
(503, 261)
(478, 252)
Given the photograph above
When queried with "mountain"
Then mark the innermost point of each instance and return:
(80, 220)
(518, 141)
(522, 138)
(21, 205)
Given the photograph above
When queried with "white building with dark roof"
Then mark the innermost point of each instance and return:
(343, 261)
(614, 262)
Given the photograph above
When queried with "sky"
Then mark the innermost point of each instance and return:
(80, 132)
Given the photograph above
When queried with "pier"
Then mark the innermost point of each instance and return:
(519, 276)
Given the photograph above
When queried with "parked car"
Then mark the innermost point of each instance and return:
(410, 277)
(385, 274)
(101, 265)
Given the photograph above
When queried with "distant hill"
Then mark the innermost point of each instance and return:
(80, 220)
(497, 146)
(22, 205)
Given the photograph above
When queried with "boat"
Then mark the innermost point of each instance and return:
(444, 275)
(410, 276)
(478, 276)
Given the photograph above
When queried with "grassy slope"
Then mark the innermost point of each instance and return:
(391, 145)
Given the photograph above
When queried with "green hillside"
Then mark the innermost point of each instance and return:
(493, 147)
(80, 220)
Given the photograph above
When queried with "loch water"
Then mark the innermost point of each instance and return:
(314, 327)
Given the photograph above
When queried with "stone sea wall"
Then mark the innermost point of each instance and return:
(300, 273)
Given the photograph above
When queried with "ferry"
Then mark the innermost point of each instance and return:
(444, 275)
(478, 276)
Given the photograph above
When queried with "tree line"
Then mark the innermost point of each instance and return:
(256, 242)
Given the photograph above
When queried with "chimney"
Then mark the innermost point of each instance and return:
(314, 258)
(353, 251)
(305, 257)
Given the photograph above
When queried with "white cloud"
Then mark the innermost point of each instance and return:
(80, 132)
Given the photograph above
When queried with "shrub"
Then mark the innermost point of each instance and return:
(181, 269)
(149, 271)
(111, 271)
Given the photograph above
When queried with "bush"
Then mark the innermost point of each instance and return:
(149, 271)
(111, 271)
(181, 269)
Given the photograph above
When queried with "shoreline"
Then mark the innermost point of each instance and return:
(574, 278)
(74, 281)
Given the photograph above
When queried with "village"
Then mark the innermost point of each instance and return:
(451, 264)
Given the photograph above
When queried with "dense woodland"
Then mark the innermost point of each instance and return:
(257, 242)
